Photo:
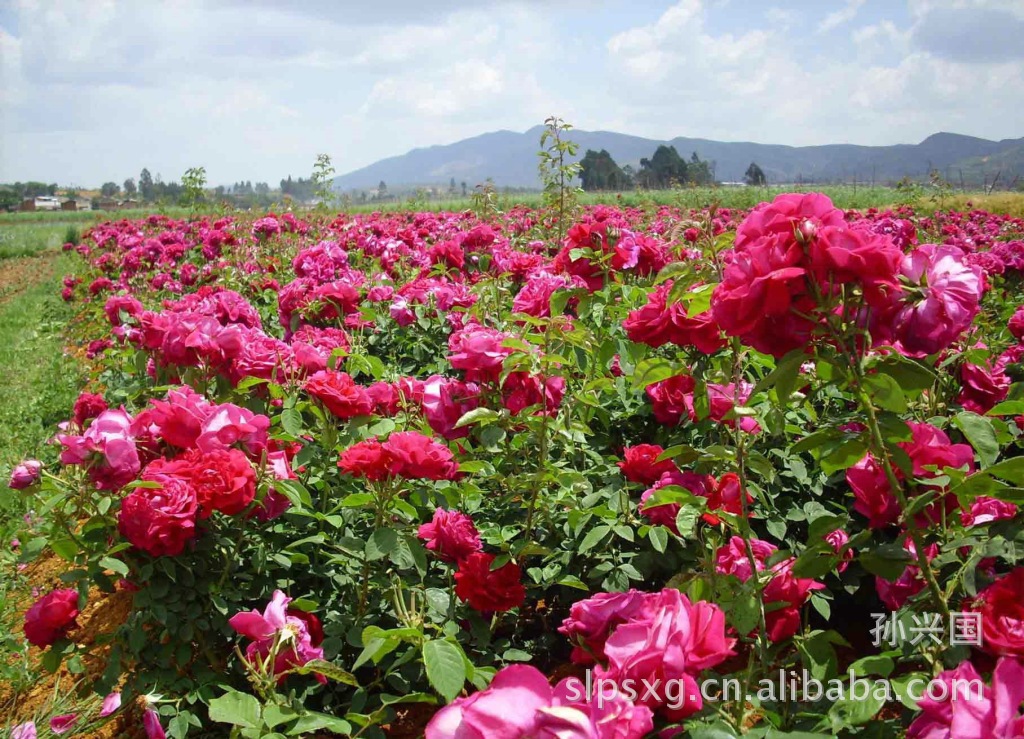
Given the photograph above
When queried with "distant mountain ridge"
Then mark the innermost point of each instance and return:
(510, 159)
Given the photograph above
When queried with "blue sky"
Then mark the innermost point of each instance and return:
(95, 90)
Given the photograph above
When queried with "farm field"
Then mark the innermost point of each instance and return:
(632, 468)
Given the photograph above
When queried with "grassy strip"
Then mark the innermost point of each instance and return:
(39, 381)
(38, 387)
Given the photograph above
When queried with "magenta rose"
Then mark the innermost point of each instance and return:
(160, 521)
(25, 474)
(50, 617)
(451, 535)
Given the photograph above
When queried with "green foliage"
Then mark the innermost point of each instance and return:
(323, 180)
(558, 173)
(193, 184)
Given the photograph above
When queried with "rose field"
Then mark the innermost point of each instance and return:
(528, 473)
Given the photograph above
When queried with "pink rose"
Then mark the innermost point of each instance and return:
(25, 474)
(943, 300)
(451, 535)
(478, 351)
(263, 628)
(958, 704)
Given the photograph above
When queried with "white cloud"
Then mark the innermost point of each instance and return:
(95, 90)
(760, 86)
(840, 17)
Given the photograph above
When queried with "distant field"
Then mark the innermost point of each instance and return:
(23, 234)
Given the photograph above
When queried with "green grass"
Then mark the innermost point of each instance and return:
(39, 381)
(39, 386)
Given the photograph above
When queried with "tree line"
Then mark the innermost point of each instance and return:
(663, 170)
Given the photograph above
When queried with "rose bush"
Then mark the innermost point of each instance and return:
(347, 465)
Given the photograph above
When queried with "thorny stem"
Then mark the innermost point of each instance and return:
(744, 526)
(542, 462)
(882, 453)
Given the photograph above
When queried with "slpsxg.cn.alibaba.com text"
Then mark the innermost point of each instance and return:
(787, 686)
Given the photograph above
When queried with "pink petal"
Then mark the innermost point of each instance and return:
(61, 724)
(110, 704)
(251, 624)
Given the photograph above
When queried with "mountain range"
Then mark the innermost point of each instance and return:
(510, 159)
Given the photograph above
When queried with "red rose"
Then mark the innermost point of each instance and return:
(658, 323)
(982, 387)
(1001, 606)
(414, 456)
(223, 479)
(340, 394)
(488, 590)
(160, 521)
(365, 459)
(840, 254)
(87, 407)
(640, 464)
(758, 293)
(451, 535)
(668, 398)
(50, 617)
(725, 496)
(1016, 324)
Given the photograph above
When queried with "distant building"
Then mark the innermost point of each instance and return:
(41, 202)
(106, 203)
(76, 204)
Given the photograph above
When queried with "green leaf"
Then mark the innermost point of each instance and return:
(886, 393)
(658, 537)
(356, 500)
(237, 709)
(1008, 408)
(845, 455)
(315, 721)
(855, 708)
(295, 492)
(116, 565)
(446, 667)
(653, 370)
(744, 612)
(876, 664)
(291, 422)
(593, 537)
(686, 520)
(673, 270)
(477, 415)
(887, 561)
(329, 670)
(784, 376)
(64, 548)
(981, 434)
(381, 543)
(1011, 470)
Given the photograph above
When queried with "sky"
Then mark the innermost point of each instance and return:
(94, 91)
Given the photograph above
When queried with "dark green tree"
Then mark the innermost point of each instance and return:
(663, 170)
(109, 189)
(129, 188)
(146, 188)
(598, 171)
(754, 175)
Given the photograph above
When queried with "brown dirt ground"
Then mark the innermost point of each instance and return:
(18, 273)
(103, 613)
